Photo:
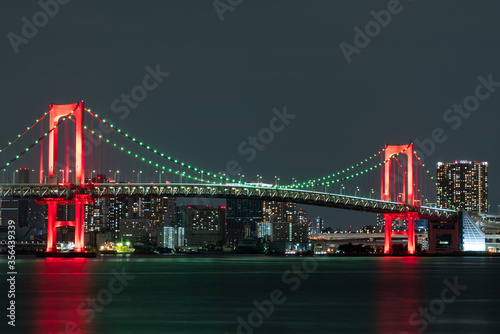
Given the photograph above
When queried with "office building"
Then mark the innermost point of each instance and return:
(162, 212)
(264, 230)
(135, 207)
(317, 227)
(294, 232)
(241, 218)
(204, 225)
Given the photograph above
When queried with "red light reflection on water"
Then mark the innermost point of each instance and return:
(60, 286)
(397, 294)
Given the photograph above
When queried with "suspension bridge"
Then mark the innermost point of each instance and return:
(101, 160)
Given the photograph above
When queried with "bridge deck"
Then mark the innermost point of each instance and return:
(40, 191)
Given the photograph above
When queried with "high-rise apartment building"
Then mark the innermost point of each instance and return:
(116, 211)
(95, 215)
(463, 184)
(279, 212)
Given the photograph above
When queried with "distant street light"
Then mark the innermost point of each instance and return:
(137, 175)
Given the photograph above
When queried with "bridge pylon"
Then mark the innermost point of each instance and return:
(56, 112)
(407, 196)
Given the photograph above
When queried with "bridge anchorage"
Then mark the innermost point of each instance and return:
(400, 197)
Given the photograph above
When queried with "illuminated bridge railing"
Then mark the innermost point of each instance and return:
(220, 191)
(37, 191)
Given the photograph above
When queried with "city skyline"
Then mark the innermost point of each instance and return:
(397, 100)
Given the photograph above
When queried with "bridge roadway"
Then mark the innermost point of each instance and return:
(355, 236)
(96, 190)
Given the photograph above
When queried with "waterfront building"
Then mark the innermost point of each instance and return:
(135, 229)
(171, 237)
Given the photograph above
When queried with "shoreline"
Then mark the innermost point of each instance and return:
(97, 255)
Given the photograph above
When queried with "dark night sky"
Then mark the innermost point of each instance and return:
(226, 77)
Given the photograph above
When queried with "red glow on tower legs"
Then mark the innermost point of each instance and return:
(51, 229)
(411, 232)
(53, 223)
(388, 233)
(408, 196)
(80, 202)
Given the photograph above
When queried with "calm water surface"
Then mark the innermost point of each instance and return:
(190, 294)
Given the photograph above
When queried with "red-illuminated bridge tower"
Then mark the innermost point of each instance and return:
(76, 112)
(406, 198)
